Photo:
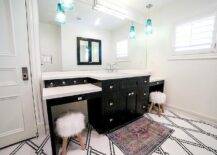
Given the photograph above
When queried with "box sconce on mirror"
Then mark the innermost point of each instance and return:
(109, 8)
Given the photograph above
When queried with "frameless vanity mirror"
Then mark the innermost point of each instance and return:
(88, 51)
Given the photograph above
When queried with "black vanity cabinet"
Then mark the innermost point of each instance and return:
(123, 100)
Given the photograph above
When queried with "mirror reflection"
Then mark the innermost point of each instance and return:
(117, 41)
(84, 51)
(88, 51)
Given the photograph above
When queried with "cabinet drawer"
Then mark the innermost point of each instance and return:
(129, 83)
(143, 94)
(142, 106)
(143, 81)
(112, 121)
(65, 82)
(110, 85)
(112, 104)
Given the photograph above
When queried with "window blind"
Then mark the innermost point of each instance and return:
(122, 49)
(195, 35)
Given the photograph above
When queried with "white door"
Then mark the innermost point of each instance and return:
(17, 120)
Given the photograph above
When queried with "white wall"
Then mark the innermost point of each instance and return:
(50, 45)
(136, 47)
(69, 33)
(190, 84)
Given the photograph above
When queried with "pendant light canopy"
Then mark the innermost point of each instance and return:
(60, 15)
(132, 32)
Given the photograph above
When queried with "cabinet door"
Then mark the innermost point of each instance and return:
(131, 99)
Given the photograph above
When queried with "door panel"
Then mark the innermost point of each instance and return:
(17, 117)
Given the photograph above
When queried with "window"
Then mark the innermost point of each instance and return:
(122, 49)
(196, 36)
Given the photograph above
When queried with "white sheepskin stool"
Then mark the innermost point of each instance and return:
(158, 98)
(70, 125)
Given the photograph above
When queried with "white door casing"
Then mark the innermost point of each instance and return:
(17, 118)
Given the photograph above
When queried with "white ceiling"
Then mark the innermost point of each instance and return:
(83, 9)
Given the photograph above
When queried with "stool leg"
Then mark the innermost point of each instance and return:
(79, 137)
(150, 107)
(64, 146)
(159, 113)
(162, 107)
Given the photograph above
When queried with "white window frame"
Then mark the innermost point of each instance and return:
(126, 58)
(200, 52)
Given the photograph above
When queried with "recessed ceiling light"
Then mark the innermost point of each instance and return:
(97, 22)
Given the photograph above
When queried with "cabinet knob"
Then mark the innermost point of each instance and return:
(85, 81)
(111, 120)
(79, 98)
(74, 82)
(132, 93)
(144, 94)
(145, 81)
(111, 103)
(129, 94)
(64, 83)
(143, 107)
(111, 86)
(157, 82)
(51, 84)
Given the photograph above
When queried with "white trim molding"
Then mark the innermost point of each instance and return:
(35, 59)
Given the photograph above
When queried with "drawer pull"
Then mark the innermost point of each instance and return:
(111, 120)
(79, 98)
(111, 86)
(74, 82)
(111, 103)
(51, 84)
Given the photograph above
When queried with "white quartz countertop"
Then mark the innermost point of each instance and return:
(58, 92)
(154, 78)
(98, 75)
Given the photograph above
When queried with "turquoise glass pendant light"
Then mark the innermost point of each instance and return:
(149, 27)
(67, 5)
(132, 32)
(60, 15)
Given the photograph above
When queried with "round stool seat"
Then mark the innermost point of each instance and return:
(70, 124)
(157, 97)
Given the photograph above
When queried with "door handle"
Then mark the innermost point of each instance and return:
(25, 74)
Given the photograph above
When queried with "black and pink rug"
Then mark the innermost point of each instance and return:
(140, 137)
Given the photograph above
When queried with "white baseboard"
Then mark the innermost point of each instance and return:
(202, 116)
